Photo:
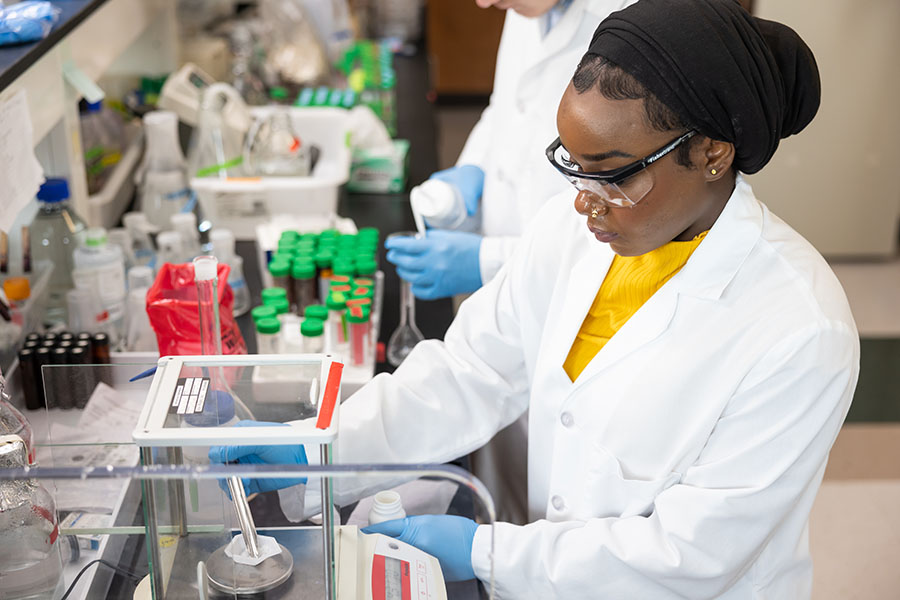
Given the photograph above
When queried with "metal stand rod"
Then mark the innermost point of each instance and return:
(176, 492)
(156, 582)
(245, 519)
(328, 525)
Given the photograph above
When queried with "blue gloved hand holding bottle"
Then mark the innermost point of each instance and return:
(448, 538)
(446, 261)
(260, 455)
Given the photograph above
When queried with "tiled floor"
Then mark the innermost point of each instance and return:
(855, 523)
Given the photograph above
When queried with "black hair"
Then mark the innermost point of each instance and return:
(615, 84)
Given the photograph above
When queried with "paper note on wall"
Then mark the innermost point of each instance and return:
(20, 173)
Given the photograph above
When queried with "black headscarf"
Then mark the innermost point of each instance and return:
(735, 77)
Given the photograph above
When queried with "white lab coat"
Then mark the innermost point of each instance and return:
(684, 460)
(508, 141)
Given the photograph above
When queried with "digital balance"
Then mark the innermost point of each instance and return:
(193, 404)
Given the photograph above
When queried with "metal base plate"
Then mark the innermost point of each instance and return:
(228, 576)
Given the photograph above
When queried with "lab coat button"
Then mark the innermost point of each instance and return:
(557, 502)
(567, 419)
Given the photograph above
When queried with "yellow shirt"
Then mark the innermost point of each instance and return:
(630, 282)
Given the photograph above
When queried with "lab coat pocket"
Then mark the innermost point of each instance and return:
(609, 493)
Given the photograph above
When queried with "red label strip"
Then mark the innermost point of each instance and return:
(330, 398)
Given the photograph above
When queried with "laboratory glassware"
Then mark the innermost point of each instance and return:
(185, 223)
(102, 142)
(54, 234)
(162, 178)
(141, 245)
(313, 331)
(407, 335)
(12, 422)
(101, 266)
(169, 248)
(30, 563)
(268, 338)
(222, 241)
(303, 278)
(274, 147)
(216, 146)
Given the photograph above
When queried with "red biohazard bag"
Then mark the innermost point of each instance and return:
(175, 317)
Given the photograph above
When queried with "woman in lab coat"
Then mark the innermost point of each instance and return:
(678, 455)
(503, 164)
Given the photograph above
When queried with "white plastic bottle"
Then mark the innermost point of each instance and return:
(222, 241)
(386, 507)
(162, 178)
(139, 334)
(186, 226)
(441, 206)
(139, 229)
(169, 248)
(101, 266)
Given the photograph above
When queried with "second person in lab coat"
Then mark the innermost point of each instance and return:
(502, 166)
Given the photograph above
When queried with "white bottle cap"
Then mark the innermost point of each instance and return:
(205, 268)
(184, 219)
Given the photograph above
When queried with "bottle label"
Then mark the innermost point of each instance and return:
(189, 396)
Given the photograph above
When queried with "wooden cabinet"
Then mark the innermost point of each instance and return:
(462, 42)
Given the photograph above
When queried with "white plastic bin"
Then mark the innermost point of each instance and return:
(240, 204)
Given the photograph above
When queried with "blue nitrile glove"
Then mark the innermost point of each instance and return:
(441, 264)
(26, 21)
(260, 455)
(448, 538)
(468, 179)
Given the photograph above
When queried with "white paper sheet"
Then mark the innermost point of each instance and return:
(20, 172)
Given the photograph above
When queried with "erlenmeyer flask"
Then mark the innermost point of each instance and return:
(407, 335)
(275, 148)
(162, 177)
(218, 138)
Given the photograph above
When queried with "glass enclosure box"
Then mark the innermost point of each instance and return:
(134, 488)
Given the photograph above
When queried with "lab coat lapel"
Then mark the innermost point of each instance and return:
(584, 281)
(706, 274)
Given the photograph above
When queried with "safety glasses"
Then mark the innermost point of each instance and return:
(625, 186)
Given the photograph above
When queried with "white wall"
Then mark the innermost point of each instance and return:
(836, 182)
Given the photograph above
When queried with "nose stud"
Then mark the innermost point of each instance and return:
(595, 213)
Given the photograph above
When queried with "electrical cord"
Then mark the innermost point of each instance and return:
(118, 569)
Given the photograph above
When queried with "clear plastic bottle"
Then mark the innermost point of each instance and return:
(268, 338)
(162, 177)
(29, 532)
(101, 266)
(139, 229)
(243, 77)
(222, 241)
(139, 334)
(169, 248)
(102, 146)
(274, 147)
(313, 331)
(55, 232)
(186, 226)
